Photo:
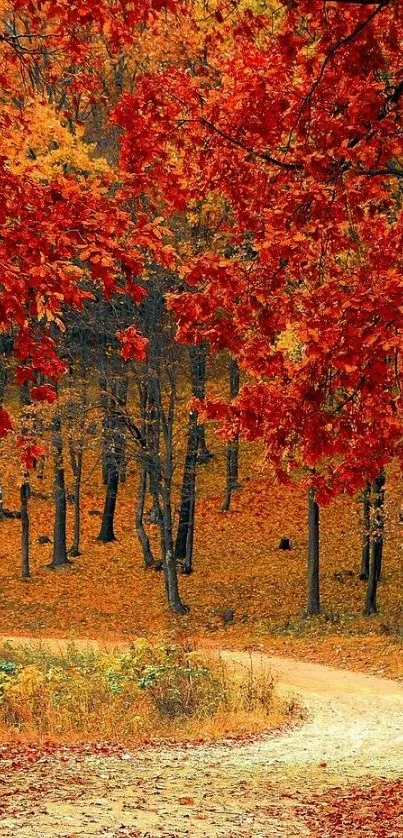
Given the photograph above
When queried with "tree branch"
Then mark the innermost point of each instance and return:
(263, 155)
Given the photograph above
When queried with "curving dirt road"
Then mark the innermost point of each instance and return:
(354, 731)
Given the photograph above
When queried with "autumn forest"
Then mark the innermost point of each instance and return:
(201, 415)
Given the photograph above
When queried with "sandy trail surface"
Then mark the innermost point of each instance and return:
(353, 733)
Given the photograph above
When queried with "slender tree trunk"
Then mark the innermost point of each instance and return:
(25, 397)
(378, 489)
(198, 357)
(2, 513)
(3, 382)
(185, 533)
(313, 605)
(104, 395)
(140, 529)
(232, 454)
(113, 461)
(120, 391)
(366, 535)
(78, 470)
(24, 497)
(232, 459)
(77, 446)
(379, 512)
(106, 533)
(172, 585)
(39, 431)
(169, 562)
(153, 433)
(59, 532)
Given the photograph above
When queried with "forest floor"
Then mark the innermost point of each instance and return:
(107, 594)
(337, 774)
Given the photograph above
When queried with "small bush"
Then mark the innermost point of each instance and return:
(148, 691)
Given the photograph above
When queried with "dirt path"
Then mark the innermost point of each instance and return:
(354, 730)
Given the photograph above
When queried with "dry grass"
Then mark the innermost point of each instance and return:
(153, 693)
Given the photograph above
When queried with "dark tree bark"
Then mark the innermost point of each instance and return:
(39, 430)
(120, 390)
(24, 497)
(171, 577)
(113, 458)
(153, 433)
(169, 563)
(379, 519)
(185, 532)
(313, 604)
(198, 357)
(3, 384)
(3, 381)
(366, 534)
(140, 529)
(232, 454)
(107, 533)
(76, 449)
(25, 397)
(3, 516)
(375, 566)
(59, 558)
(103, 391)
(77, 473)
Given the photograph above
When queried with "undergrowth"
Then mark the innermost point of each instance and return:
(148, 692)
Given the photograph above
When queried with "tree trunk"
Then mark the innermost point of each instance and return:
(375, 566)
(75, 547)
(313, 605)
(185, 533)
(169, 563)
(107, 533)
(366, 535)
(103, 394)
(198, 357)
(232, 454)
(153, 433)
(2, 513)
(165, 490)
(113, 462)
(77, 445)
(24, 497)
(3, 381)
(59, 558)
(379, 513)
(25, 396)
(140, 529)
(171, 578)
(120, 389)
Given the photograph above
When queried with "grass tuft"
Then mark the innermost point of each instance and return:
(149, 692)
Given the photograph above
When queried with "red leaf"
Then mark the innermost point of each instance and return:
(5, 422)
(43, 393)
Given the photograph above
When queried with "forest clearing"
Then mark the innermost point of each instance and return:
(201, 426)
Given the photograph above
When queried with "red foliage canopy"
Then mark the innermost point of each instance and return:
(291, 122)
